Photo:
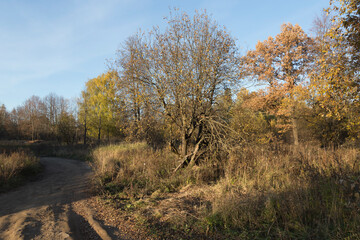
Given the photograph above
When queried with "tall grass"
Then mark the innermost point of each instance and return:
(134, 169)
(16, 166)
(255, 193)
(307, 193)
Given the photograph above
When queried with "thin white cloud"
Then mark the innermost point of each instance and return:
(41, 47)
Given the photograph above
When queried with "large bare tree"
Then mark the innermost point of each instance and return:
(182, 71)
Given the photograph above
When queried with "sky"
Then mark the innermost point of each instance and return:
(56, 46)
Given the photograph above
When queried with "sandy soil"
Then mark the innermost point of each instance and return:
(48, 208)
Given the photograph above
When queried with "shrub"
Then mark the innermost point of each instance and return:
(135, 169)
(15, 166)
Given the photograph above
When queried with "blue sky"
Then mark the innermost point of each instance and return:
(56, 46)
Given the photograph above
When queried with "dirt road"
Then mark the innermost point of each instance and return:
(47, 209)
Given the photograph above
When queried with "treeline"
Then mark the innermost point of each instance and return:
(51, 118)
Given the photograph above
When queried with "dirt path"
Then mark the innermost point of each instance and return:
(47, 209)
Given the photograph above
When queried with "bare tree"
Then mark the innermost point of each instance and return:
(182, 71)
(55, 106)
(32, 118)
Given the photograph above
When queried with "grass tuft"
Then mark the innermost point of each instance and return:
(15, 167)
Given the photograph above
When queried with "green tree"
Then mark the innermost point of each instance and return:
(249, 121)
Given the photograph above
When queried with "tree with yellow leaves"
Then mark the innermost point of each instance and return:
(98, 107)
(335, 82)
(347, 26)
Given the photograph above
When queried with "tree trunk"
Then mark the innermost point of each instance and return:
(195, 155)
(138, 113)
(85, 131)
(191, 158)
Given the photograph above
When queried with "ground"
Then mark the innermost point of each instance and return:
(58, 205)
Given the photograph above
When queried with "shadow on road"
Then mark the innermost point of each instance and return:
(64, 181)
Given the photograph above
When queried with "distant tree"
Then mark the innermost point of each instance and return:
(52, 111)
(83, 114)
(100, 105)
(32, 118)
(13, 125)
(321, 26)
(3, 122)
(66, 128)
(282, 63)
(35, 119)
(54, 106)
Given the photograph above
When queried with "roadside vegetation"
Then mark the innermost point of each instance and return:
(256, 192)
(47, 149)
(16, 167)
(19, 160)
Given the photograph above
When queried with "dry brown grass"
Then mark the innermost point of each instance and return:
(134, 169)
(15, 166)
(256, 193)
(308, 193)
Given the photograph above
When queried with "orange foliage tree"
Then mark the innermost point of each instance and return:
(282, 63)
